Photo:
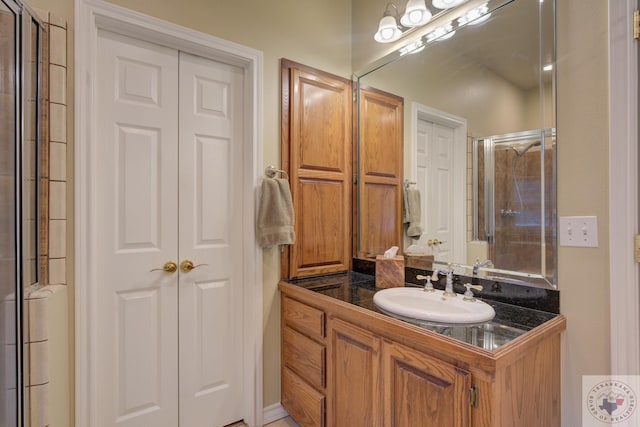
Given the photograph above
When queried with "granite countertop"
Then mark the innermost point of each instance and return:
(510, 321)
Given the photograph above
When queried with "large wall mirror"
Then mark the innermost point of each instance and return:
(479, 141)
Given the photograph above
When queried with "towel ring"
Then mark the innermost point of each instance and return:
(271, 171)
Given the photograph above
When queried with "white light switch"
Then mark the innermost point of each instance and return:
(579, 231)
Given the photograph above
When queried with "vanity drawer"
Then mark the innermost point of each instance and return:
(302, 402)
(304, 356)
(305, 319)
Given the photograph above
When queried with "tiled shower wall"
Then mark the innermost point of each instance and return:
(48, 376)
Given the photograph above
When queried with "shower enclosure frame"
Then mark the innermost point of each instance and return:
(547, 137)
(28, 109)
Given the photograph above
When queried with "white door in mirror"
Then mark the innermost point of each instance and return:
(415, 303)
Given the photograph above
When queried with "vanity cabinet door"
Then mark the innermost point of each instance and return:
(420, 390)
(354, 391)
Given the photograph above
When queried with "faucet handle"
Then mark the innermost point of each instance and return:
(468, 295)
(428, 286)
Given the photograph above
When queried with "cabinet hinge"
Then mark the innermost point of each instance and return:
(473, 396)
(636, 24)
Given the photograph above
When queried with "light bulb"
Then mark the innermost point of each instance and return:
(415, 14)
(388, 30)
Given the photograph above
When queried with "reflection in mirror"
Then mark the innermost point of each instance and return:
(514, 181)
(479, 143)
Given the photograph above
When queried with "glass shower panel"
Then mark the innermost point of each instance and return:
(514, 199)
(9, 379)
(21, 121)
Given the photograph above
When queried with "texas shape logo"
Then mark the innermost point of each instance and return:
(611, 401)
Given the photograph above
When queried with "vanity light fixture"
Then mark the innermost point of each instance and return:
(443, 32)
(388, 30)
(475, 16)
(418, 14)
(447, 4)
(415, 14)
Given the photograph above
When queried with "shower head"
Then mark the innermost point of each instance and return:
(527, 148)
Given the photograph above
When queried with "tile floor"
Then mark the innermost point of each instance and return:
(284, 422)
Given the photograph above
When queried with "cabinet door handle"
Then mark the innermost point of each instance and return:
(187, 265)
(168, 267)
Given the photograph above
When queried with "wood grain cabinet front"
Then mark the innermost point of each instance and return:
(420, 387)
(303, 318)
(305, 404)
(304, 356)
(354, 390)
(370, 370)
(303, 362)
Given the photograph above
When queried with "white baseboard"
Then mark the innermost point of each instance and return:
(273, 413)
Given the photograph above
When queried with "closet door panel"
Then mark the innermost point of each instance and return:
(135, 205)
(211, 135)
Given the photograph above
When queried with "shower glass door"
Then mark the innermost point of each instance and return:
(10, 359)
(515, 190)
(22, 253)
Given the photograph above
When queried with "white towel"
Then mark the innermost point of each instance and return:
(275, 214)
(412, 212)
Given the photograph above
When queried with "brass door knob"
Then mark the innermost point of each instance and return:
(435, 242)
(186, 266)
(168, 267)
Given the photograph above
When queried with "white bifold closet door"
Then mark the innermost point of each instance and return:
(168, 191)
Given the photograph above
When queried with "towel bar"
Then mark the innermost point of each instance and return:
(271, 171)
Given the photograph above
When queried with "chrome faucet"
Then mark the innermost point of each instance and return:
(448, 289)
(477, 265)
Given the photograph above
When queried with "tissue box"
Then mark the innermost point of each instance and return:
(389, 271)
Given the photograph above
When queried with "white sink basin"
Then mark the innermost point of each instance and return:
(415, 303)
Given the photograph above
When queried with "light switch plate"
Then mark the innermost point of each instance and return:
(580, 231)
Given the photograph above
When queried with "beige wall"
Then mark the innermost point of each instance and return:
(317, 33)
(583, 182)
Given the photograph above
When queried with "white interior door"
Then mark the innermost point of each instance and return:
(137, 185)
(435, 180)
(169, 343)
(211, 319)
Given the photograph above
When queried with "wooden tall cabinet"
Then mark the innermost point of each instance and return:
(380, 155)
(317, 153)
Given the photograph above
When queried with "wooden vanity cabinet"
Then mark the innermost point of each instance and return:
(343, 365)
(303, 362)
